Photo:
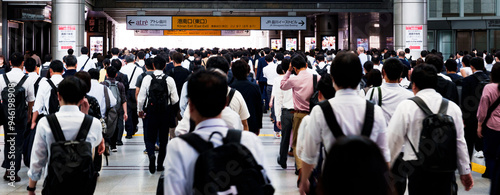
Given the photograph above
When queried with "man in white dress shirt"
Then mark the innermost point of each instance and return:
(132, 71)
(155, 126)
(349, 109)
(207, 98)
(15, 130)
(71, 95)
(97, 91)
(84, 62)
(406, 125)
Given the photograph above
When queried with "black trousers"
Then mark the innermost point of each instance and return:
(471, 138)
(492, 157)
(286, 130)
(155, 128)
(421, 182)
(14, 139)
(133, 119)
(399, 172)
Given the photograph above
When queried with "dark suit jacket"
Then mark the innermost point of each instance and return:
(447, 89)
(180, 75)
(123, 78)
(251, 94)
(260, 66)
(471, 94)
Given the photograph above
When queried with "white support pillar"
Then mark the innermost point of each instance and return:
(67, 13)
(497, 10)
(409, 13)
(461, 8)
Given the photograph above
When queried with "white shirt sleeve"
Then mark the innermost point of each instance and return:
(312, 139)
(175, 178)
(183, 125)
(183, 99)
(278, 100)
(141, 97)
(172, 90)
(39, 157)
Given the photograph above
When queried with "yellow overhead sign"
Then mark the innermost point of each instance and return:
(192, 33)
(215, 23)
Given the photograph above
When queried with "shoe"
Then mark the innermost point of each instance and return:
(145, 152)
(6, 177)
(157, 148)
(282, 165)
(277, 135)
(113, 149)
(160, 168)
(119, 143)
(479, 154)
(128, 137)
(152, 166)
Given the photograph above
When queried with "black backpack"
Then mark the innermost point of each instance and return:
(250, 177)
(37, 85)
(313, 101)
(438, 140)
(18, 93)
(334, 126)
(483, 81)
(53, 99)
(70, 169)
(323, 71)
(45, 71)
(158, 95)
(191, 65)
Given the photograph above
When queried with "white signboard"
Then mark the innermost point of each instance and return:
(148, 32)
(235, 33)
(149, 22)
(283, 23)
(414, 37)
(66, 37)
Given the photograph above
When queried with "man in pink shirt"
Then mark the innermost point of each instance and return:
(302, 88)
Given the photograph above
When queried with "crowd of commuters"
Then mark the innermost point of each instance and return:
(384, 119)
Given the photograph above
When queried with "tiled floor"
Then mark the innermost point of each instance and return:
(127, 171)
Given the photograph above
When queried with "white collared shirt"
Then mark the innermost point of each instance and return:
(42, 99)
(32, 77)
(444, 76)
(144, 90)
(15, 75)
(141, 63)
(406, 123)
(70, 118)
(97, 91)
(129, 70)
(349, 109)
(181, 158)
(185, 64)
(321, 65)
(229, 116)
(392, 95)
(283, 99)
(81, 62)
(270, 72)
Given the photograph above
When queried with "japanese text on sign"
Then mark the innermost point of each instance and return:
(414, 37)
(66, 35)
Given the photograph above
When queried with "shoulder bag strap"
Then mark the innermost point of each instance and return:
(85, 128)
(492, 108)
(195, 141)
(379, 96)
(55, 127)
(369, 119)
(133, 72)
(444, 106)
(421, 104)
(315, 83)
(21, 82)
(51, 84)
(37, 82)
(106, 98)
(371, 94)
(331, 120)
(230, 96)
(233, 136)
(6, 79)
(84, 64)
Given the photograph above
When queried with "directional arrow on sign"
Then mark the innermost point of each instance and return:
(246, 31)
(301, 23)
(130, 22)
(137, 31)
(91, 28)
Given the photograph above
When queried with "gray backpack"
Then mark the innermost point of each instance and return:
(111, 115)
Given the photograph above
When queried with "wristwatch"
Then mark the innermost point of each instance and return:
(30, 189)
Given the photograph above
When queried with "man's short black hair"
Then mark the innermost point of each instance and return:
(111, 71)
(84, 50)
(424, 53)
(407, 50)
(30, 64)
(85, 77)
(115, 51)
(141, 55)
(269, 58)
(435, 60)
(280, 56)
(320, 57)
(325, 86)
(177, 57)
(207, 91)
(71, 61)
(47, 58)
(94, 73)
(16, 59)
(117, 64)
(393, 69)
(461, 53)
(56, 66)
(375, 59)
(488, 59)
(159, 63)
(71, 51)
(368, 66)
(197, 61)
(424, 76)
(451, 65)
(346, 70)
(466, 60)
(240, 69)
(149, 64)
(298, 62)
(218, 62)
(477, 63)
(72, 90)
(285, 64)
